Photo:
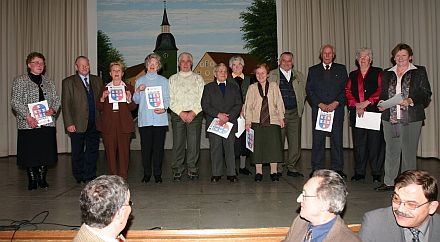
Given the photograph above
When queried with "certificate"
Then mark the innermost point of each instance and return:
(117, 94)
(240, 127)
(154, 97)
(324, 120)
(391, 102)
(250, 138)
(370, 120)
(38, 111)
(220, 130)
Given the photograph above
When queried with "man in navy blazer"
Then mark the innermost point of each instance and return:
(222, 100)
(325, 89)
(411, 216)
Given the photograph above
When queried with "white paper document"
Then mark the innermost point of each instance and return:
(240, 126)
(154, 97)
(391, 102)
(324, 120)
(38, 111)
(117, 94)
(250, 138)
(220, 130)
(370, 120)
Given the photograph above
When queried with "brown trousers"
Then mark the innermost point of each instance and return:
(117, 152)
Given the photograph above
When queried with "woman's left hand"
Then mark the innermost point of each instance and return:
(406, 102)
(282, 124)
(31, 121)
(50, 112)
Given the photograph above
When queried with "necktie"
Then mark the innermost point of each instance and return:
(222, 87)
(87, 84)
(327, 67)
(308, 236)
(264, 113)
(415, 233)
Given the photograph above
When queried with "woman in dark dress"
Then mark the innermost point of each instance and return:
(36, 144)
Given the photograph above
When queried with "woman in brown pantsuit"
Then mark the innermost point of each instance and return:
(116, 123)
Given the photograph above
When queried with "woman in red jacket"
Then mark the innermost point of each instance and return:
(116, 122)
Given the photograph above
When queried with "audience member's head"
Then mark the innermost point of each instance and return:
(323, 197)
(105, 203)
(414, 198)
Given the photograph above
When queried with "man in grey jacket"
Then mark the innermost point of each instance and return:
(293, 89)
(411, 216)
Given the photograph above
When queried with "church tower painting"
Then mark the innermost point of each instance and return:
(166, 47)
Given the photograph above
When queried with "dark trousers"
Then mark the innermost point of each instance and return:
(292, 131)
(85, 153)
(222, 152)
(318, 147)
(152, 148)
(117, 152)
(369, 145)
(186, 143)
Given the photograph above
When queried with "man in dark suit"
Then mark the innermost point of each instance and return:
(79, 95)
(326, 91)
(411, 216)
(222, 100)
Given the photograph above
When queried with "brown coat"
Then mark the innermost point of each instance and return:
(110, 121)
(339, 232)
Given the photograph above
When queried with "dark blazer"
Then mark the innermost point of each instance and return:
(213, 102)
(380, 225)
(322, 90)
(419, 92)
(74, 101)
(244, 85)
(110, 121)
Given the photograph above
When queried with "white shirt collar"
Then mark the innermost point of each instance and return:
(411, 67)
(330, 65)
(218, 83)
(110, 84)
(287, 74)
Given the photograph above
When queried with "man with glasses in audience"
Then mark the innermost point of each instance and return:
(411, 216)
(105, 207)
(322, 200)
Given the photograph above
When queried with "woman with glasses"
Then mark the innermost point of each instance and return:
(36, 143)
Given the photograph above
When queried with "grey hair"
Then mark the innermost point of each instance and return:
(185, 54)
(236, 58)
(327, 46)
(217, 67)
(101, 199)
(364, 49)
(153, 56)
(288, 53)
(332, 190)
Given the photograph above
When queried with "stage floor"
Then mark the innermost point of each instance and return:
(187, 204)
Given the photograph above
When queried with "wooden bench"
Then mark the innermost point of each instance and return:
(242, 235)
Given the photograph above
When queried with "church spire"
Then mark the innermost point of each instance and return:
(165, 26)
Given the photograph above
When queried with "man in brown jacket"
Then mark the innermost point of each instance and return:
(322, 200)
(79, 95)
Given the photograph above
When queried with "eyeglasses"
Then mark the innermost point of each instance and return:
(408, 204)
(130, 203)
(304, 196)
(37, 63)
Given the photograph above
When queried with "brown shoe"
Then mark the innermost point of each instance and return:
(384, 188)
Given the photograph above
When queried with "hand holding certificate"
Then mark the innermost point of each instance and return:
(154, 97)
(397, 99)
(221, 130)
(324, 120)
(117, 94)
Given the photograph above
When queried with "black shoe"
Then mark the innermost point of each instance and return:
(274, 177)
(244, 171)
(258, 177)
(177, 177)
(193, 175)
(294, 174)
(215, 178)
(146, 179)
(376, 178)
(357, 177)
(32, 176)
(41, 177)
(232, 178)
(384, 188)
(342, 174)
(158, 179)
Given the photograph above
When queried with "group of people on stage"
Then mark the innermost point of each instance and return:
(272, 107)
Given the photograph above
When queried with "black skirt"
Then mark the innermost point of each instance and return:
(36, 147)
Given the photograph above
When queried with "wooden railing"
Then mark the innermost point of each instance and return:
(242, 235)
